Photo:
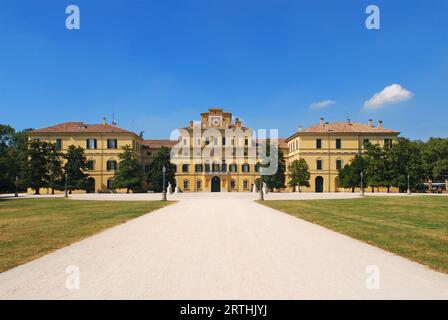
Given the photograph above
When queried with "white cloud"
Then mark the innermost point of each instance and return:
(322, 104)
(391, 94)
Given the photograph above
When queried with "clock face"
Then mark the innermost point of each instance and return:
(216, 122)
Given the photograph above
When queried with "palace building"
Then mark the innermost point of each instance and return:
(217, 153)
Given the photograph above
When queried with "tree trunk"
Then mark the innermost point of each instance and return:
(388, 189)
(52, 191)
(353, 190)
(373, 190)
(36, 191)
(127, 190)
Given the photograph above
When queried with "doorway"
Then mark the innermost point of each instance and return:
(319, 182)
(216, 184)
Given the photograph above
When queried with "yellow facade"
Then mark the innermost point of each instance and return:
(100, 173)
(203, 163)
(339, 144)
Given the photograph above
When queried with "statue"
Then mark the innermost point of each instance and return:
(168, 189)
(254, 188)
(265, 188)
(177, 190)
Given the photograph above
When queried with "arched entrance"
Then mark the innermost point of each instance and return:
(319, 183)
(216, 184)
(90, 187)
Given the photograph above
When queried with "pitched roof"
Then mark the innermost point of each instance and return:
(159, 143)
(346, 126)
(79, 127)
(343, 127)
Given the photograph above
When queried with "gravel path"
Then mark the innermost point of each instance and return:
(222, 246)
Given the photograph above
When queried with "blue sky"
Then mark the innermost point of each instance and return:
(158, 64)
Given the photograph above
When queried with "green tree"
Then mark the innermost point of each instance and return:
(128, 174)
(434, 150)
(54, 168)
(300, 174)
(350, 174)
(276, 180)
(440, 169)
(376, 167)
(74, 168)
(37, 165)
(405, 159)
(155, 175)
(6, 136)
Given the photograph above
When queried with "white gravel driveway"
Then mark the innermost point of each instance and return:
(222, 246)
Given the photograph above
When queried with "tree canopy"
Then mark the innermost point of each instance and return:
(128, 174)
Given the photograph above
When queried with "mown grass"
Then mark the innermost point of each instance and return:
(413, 227)
(30, 228)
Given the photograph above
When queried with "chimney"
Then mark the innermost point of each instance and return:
(380, 123)
(300, 129)
(348, 121)
(104, 120)
(370, 123)
(238, 122)
(322, 121)
(191, 124)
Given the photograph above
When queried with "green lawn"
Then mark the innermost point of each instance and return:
(30, 228)
(413, 227)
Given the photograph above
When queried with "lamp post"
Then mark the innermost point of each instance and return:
(66, 186)
(261, 186)
(362, 184)
(16, 183)
(409, 185)
(164, 190)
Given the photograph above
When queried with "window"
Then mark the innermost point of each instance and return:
(215, 141)
(232, 184)
(223, 167)
(185, 142)
(198, 142)
(207, 167)
(198, 168)
(232, 168)
(112, 144)
(110, 183)
(111, 165)
(338, 164)
(318, 143)
(198, 184)
(245, 167)
(387, 143)
(185, 168)
(365, 142)
(207, 141)
(245, 184)
(223, 141)
(338, 143)
(215, 167)
(257, 167)
(90, 165)
(246, 142)
(319, 164)
(58, 144)
(186, 184)
(91, 143)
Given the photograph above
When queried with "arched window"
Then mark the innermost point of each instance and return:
(111, 165)
(186, 184)
(232, 184)
(223, 167)
(257, 167)
(198, 184)
(245, 167)
(215, 167)
(245, 184)
(232, 168)
(198, 168)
